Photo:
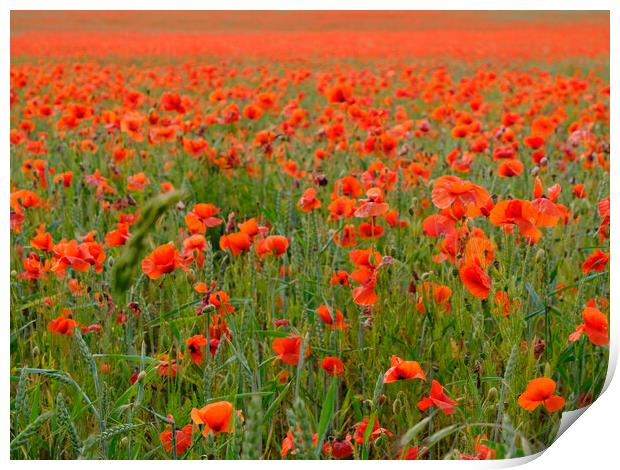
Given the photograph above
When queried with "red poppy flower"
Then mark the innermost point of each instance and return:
(308, 201)
(509, 168)
(273, 244)
(434, 293)
(437, 398)
(449, 190)
(595, 326)
(164, 259)
(403, 370)
(360, 431)
(338, 448)
(540, 392)
(334, 323)
(63, 324)
(196, 345)
(475, 280)
(237, 242)
(288, 349)
(201, 217)
(43, 240)
(520, 213)
(597, 261)
(183, 439)
(332, 366)
(216, 417)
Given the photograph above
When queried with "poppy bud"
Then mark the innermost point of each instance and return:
(539, 347)
(543, 162)
(540, 255)
(180, 206)
(141, 376)
(534, 171)
(13, 273)
(492, 395)
(320, 180)
(35, 351)
(124, 441)
(397, 406)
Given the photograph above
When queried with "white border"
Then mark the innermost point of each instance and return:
(592, 443)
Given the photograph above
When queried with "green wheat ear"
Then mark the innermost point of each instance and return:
(301, 429)
(65, 423)
(124, 268)
(253, 434)
(30, 430)
(22, 405)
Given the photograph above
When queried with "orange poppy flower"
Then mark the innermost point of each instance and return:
(368, 230)
(403, 370)
(437, 225)
(43, 240)
(502, 303)
(347, 186)
(342, 206)
(373, 205)
(288, 349)
(595, 326)
(437, 398)
(365, 294)
(436, 293)
(196, 345)
(216, 417)
(63, 324)
(597, 261)
(308, 201)
(340, 277)
(65, 178)
(517, 212)
(360, 431)
(347, 238)
(340, 93)
(449, 190)
(332, 366)
(475, 280)
(183, 439)
(202, 217)
(479, 249)
(483, 452)
(34, 267)
(119, 236)
(509, 168)
(579, 191)
(273, 244)
(131, 124)
(540, 392)
(163, 259)
(335, 323)
(68, 254)
(237, 242)
(338, 448)
(172, 102)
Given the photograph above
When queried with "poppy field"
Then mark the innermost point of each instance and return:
(306, 235)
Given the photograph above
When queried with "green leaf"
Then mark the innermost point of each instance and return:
(413, 431)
